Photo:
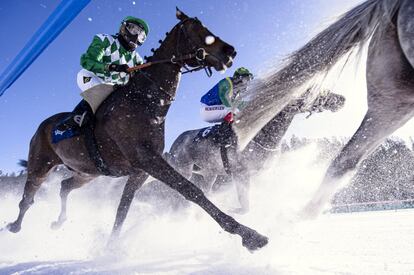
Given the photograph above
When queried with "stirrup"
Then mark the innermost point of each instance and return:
(79, 119)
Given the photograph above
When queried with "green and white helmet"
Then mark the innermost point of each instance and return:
(133, 31)
(242, 72)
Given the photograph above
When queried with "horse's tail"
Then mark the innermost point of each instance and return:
(22, 163)
(353, 29)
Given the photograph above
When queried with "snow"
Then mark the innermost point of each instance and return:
(160, 241)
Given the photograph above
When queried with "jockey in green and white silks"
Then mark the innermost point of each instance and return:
(104, 51)
(106, 63)
(222, 101)
(108, 57)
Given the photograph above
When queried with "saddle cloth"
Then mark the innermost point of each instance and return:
(58, 136)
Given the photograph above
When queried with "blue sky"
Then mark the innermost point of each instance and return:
(262, 31)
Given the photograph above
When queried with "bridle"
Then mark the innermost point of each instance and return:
(180, 59)
(197, 53)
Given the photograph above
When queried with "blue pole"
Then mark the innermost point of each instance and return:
(51, 28)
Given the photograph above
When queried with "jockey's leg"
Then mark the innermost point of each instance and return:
(213, 114)
(81, 115)
(94, 91)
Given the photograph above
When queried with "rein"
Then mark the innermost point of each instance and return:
(172, 60)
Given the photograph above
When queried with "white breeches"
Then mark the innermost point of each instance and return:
(87, 80)
(213, 114)
(94, 89)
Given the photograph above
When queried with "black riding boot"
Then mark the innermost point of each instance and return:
(81, 115)
(226, 135)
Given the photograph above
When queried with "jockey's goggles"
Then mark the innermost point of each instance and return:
(135, 29)
(244, 78)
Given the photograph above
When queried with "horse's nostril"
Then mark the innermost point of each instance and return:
(234, 54)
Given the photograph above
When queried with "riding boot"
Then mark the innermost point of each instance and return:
(81, 115)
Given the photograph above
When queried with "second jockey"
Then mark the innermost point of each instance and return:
(222, 101)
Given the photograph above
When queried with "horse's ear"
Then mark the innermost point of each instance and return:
(180, 15)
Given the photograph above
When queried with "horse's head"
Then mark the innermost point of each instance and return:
(194, 37)
(326, 101)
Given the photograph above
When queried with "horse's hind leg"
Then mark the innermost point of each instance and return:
(66, 186)
(133, 184)
(41, 160)
(378, 124)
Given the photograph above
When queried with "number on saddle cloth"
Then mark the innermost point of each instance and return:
(207, 132)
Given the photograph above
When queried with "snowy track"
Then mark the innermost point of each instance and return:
(363, 243)
(156, 241)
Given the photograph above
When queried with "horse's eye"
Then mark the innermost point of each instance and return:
(210, 40)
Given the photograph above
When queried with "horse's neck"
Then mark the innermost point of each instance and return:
(167, 75)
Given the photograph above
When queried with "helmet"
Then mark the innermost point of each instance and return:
(241, 72)
(137, 21)
(133, 32)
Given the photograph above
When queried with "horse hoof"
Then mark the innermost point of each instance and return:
(253, 240)
(310, 212)
(113, 243)
(13, 227)
(56, 225)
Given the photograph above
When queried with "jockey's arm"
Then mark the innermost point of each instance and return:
(225, 91)
(92, 59)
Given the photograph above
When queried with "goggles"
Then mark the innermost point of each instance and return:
(243, 78)
(135, 29)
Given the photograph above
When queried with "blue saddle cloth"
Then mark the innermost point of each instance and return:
(207, 132)
(58, 135)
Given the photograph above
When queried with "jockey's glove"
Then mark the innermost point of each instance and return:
(117, 68)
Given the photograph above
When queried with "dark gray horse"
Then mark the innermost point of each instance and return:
(197, 151)
(130, 131)
(388, 27)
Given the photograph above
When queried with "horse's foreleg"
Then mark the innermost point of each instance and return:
(133, 184)
(66, 186)
(374, 129)
(155, 165)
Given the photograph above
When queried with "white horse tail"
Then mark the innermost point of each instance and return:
(351, 30)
